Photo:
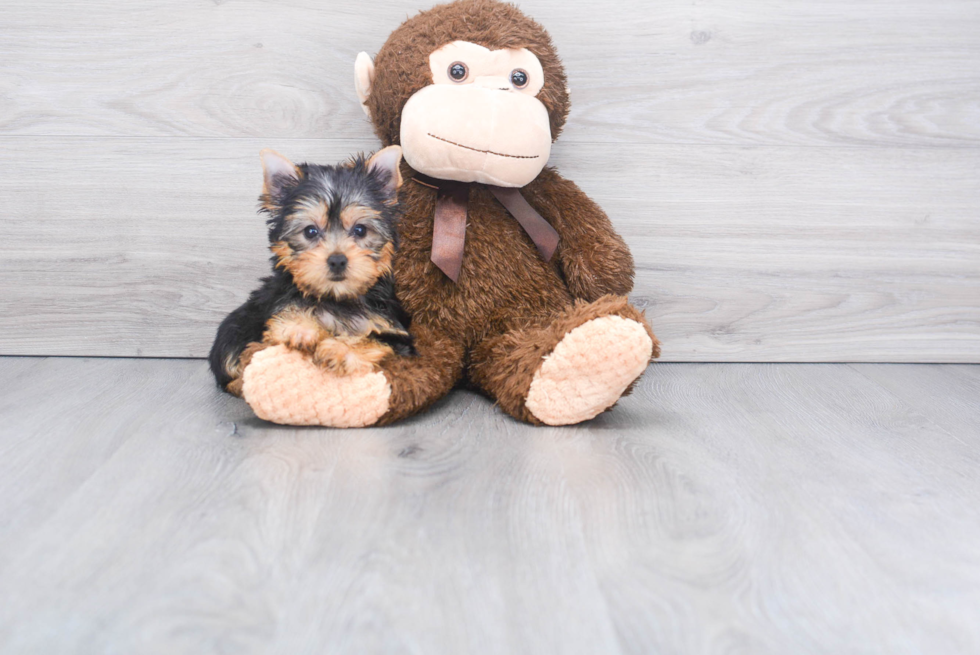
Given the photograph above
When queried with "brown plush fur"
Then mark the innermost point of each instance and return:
(402, 64)
(509, 308)
(505, 365)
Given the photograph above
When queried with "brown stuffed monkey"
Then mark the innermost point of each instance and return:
(515, 280)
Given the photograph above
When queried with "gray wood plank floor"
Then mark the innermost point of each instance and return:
(761, 508)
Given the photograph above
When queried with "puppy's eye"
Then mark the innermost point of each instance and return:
(359, 231)
(458, 71)
(311, 232)
(519, 78)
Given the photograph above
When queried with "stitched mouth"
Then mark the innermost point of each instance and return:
(486, 152)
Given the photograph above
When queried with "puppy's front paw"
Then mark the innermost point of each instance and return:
(349, 357)
(298, 331)
(300, 337)
(337, 357)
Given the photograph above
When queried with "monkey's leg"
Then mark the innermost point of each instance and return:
(419, 381)
(569, 367)
(286, 386)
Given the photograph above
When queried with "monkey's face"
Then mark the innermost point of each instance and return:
(480, 119)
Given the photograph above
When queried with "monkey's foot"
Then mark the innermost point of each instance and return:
(589, 370)
(284, 386)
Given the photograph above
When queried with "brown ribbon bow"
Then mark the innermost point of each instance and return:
(449, 224)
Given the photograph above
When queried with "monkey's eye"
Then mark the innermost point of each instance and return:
(311, 232)
(359, 231)
(519, 78)
(458, 71)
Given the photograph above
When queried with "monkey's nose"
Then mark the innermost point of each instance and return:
(337, 262)
(498, 82)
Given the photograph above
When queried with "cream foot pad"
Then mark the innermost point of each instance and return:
(284, 386)
(589, 370)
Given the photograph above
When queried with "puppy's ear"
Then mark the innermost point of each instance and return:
(387, 163)
(279, 175)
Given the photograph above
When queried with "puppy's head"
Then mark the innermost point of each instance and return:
(333, 228)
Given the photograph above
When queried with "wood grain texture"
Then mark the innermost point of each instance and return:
(747, 254)
(758, 508)
(903, 72)
(798, 180)
(947, 394)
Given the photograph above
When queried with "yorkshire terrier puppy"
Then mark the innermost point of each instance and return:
(332, 232)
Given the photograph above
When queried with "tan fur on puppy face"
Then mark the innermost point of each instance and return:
(322, 211)
(354, 214)
(364, 265)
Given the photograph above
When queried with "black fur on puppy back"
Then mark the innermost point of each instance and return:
(247, 324)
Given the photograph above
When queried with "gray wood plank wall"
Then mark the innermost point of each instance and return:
(799, 181)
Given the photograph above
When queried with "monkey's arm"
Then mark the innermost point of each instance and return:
(286, 386)
(594, 259)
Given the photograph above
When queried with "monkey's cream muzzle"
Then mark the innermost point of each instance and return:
(479, 120)
(476, 132)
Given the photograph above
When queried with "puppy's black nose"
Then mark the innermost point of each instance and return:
(337, 262)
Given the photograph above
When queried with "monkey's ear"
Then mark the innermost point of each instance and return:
(387, 161)
(278, 174)
(363, 78)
